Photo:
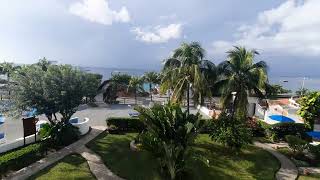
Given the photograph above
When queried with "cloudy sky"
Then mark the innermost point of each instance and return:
(140, 33)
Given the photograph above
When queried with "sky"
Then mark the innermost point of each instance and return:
(139, 34)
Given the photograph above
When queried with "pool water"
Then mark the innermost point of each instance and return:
(314, 134)
(281, 118)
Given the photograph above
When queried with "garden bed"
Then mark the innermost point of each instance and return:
(251, 163)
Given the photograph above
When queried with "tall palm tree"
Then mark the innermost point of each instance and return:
(187, 71)
(136, 85)
(151, 78)
(241, 75)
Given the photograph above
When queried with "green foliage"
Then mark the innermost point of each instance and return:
(126, 124)
(136, 85)
(20, 158)
(240, 74)
(187, 67)
(297, 144)
(92, 83)
(280, 130)
(59, 134)
(315, 150)
(276, 89)
(60, 88)
(302, 91)
(231, 131)
(309, 111)
(151, 78)
(169, 135)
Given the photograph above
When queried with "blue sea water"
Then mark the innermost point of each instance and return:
(289, 82)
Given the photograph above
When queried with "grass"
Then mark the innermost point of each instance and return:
(251, 163)
(310, 177)
(71, 167)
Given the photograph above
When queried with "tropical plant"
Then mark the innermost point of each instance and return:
(297, 144)
(151, 78)
(135, 85)
(302, 91)
(231, 131)
(187, 71)
(169, 135)
(112, 86)
(274, 90)
(92, 83)
(309, 108)
(241, 75)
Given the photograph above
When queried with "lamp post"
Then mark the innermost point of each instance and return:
(233, 103)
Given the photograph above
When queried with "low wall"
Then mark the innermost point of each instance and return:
(17, 143)
(83, 126)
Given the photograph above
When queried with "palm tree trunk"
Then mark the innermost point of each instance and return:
(150, 89)
(188, 103)
(135, 96)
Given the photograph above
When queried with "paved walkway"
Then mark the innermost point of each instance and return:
(288, 170)
(311, 170)
(95, 163)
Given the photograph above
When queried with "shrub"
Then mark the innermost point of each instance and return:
(231, 131)
(258, 128)
(20, 158)
(60, 134)
(168, 136)
(126, 124)
(315, 150)
(297, 144)
(279, 131)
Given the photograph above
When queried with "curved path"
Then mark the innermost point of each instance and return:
(288, 170)
(95, 163)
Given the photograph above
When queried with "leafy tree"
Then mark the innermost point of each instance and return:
(59, 89)
(310, 108)
(241, 75)
(187, 70)
(274, 90)
(8, 69)
(169, 135)
(297, 144)
(136, 85)
(151, 78)
(113, 85)
(231, 131)
(92, 83)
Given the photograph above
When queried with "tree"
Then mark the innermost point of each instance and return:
(274, 90)
(136, 85)
(169, 135)
(309, 108)
(59, 89)
(302, 91)
(92, 83)
(186, 71)
(241, 75)
(113, 85)
(151, 78)
(8, 69)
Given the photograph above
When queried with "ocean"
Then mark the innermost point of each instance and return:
(292, 83)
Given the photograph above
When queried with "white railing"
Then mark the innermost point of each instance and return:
(17, 143)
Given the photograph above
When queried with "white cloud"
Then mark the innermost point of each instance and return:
(158, 34)
(291, 28)
(98, 11)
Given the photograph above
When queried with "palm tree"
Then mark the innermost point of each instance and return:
(135, 84)
(151, 78)
(241, 75)
(187, 71)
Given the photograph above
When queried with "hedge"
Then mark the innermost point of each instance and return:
(17, 159)
(280, 130)
(126, 124)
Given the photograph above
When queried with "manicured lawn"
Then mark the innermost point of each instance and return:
(71, 167)
(310, 177)
(251, 163)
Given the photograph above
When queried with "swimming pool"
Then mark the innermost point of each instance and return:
(281, 118)
(314, 134)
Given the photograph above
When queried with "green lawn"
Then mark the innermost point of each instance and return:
(251, 163)
(310, 177)
(71, 167)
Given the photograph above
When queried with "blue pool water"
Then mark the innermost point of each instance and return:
(1, 119)
(281, 118)
(314, 134)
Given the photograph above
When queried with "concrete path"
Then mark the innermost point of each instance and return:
(288, 170)
(311, 170)
(96, 165)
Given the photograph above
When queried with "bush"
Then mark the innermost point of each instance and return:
(279, 131)
(231, 131)
(315, 150)
(59, 134)
(258, 128)
(297, 144)
(17, 159)
(126, 124)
